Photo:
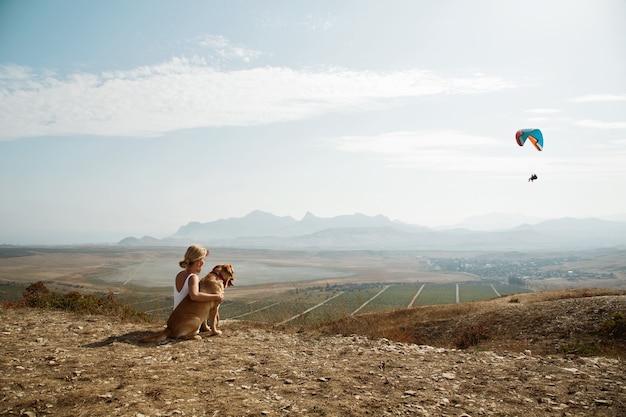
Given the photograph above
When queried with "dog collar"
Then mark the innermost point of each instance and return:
(219, 275)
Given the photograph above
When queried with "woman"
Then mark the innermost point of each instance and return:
(187, 280)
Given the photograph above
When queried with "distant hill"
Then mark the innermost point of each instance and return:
(358, 231)
(495, 221)
(262, 224)
(144, 241)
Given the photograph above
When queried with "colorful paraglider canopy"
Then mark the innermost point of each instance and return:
(533, 135)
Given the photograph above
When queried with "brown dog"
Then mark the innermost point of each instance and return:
(188, 316)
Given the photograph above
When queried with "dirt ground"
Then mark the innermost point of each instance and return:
(62, 364)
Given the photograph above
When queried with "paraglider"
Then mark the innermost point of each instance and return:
(535, 137)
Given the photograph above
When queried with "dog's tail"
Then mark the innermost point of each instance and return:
(157, 337)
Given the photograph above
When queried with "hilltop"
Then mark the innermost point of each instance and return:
(545, 323)
(61, 363)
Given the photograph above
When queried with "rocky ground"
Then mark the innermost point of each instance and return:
(59, 363)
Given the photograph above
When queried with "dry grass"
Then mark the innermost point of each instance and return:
(569, 321)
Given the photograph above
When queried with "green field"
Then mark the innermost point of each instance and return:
(437, 294)
(316, 304)
(475, 292)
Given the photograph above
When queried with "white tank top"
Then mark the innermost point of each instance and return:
(178, 296)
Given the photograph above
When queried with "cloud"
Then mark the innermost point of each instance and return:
(317, 23)
(458, 152)
(311, 22)
(543, 111)
(224, 49)
(599, 98)
(438, 150)
(598, 124)
(187, 93)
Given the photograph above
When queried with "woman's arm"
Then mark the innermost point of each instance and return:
(196, 295)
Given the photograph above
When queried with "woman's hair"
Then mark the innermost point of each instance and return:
(194, 253)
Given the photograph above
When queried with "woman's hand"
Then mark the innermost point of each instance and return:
(216, 297)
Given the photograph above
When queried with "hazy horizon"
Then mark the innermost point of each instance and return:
(479, 223)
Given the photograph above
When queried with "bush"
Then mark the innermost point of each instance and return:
(580, 348)
(615, 327)
(39, 296)
(471, 336)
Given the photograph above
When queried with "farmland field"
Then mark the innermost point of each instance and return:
(475, 292)
(324, 304)
(438, 294)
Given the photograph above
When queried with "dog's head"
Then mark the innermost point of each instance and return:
(225, 273)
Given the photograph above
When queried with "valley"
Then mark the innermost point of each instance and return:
(303, 287)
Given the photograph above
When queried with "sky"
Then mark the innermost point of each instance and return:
(134, 118)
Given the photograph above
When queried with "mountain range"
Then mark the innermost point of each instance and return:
(264, 230)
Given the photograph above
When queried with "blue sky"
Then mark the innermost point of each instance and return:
(133, 118)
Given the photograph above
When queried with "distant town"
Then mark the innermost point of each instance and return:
(519, 271)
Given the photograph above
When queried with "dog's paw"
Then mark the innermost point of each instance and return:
(216, 332)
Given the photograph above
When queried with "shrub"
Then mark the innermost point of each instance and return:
(36, 295)
(615, 327)
(471, 336)
(39, 296)
(580, 348)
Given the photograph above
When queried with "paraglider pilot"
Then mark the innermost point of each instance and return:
(532, 178)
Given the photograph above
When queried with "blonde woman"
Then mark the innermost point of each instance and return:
(187, 280)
